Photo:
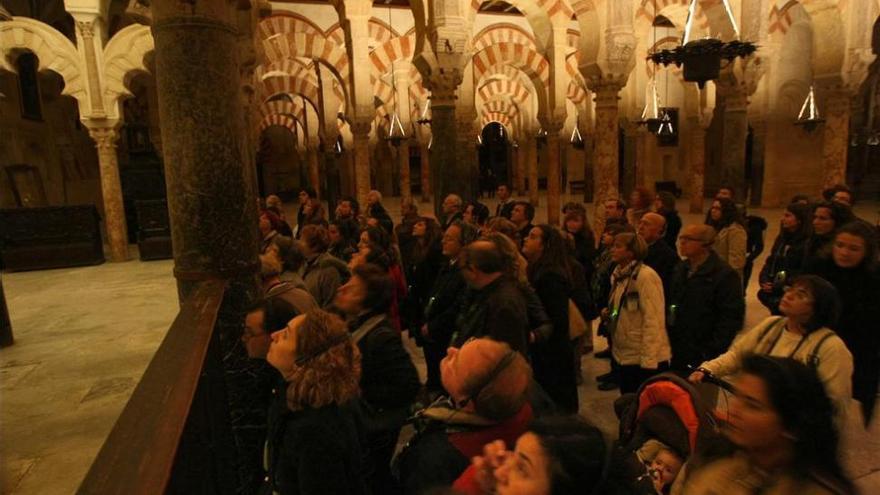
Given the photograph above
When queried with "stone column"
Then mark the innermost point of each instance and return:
(532, 166)
(835, 136)
(403, 163)
(522, 156)
(554, 172)
(314, 169)
(756, 176)
(91, 47)
(449, 164)
(696, 159)
(467, 183)
(361, 133)
(425, 172)
(736, 132)
(111, 191)
(213, 211)
(605, 150)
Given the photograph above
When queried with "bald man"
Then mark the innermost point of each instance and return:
(661, 257)
(705, 306)
(487, 383)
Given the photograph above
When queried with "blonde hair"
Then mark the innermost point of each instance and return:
(327, 369)
(634, 243)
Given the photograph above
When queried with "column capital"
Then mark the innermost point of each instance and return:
(105, 137)
(361, 128)
(86, 29)
(443, 85)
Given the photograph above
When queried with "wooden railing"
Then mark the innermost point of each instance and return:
(168, 437)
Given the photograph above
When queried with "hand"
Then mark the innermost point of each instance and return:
(494, 455)
(696, 377)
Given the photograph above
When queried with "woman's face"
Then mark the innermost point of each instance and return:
(533, 245)
(607, 239)
(715, 211)
(364, 240)
(620, 254)
(574, 225)
(350, 296)
(282, 349)
(468, 215)
(848, 251)
(823, 222)
(789, 221)
(754, 423)
(335, 236)
(658, 203)
(797, 304)
(526, 470)
(419, 229)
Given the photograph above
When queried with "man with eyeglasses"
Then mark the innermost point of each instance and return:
(487, 383)
(705, 306)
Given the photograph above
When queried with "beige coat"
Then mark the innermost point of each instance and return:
(640, 334)
(734, 476)
(730, 244)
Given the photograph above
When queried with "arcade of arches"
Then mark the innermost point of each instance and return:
(304, 93)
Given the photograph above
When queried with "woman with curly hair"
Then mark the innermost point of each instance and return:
(313, 447)
(730, 242)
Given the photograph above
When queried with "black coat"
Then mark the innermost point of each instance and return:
(585, 252)
(421, 276)
(553, 359)
(506, 210)
(786, 260)
(663, 259)
(444, 303)
(859, 291)
(673, 227)
(704, 311)
(317, 451)
(389, 380)
(499, 311)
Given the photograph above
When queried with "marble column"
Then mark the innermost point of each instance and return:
(314, 170)
(425, 172)
(361, 133)
(210, 199)
(605, 150)
(736, 132)
(532, 166)
(213, 211)
(450, 164)
(554, 172)
(696, 160)
(111, 191)
(835, 136)
(403, 165)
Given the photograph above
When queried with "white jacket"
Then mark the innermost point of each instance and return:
(640, 333)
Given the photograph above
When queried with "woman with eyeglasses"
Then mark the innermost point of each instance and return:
(852, 270)
(314, 446)
(809, 307)
(781, 434)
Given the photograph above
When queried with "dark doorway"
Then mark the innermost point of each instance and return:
(494, 153)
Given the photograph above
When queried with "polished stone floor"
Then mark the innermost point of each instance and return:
(84, 337)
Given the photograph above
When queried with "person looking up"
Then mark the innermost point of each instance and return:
(787, 256)
(305, 194)
(322, 273)
(661, 257)
(615, 212)
(522, 215)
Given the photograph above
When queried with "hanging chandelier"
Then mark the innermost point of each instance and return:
(701, 59)
(665, 130)
(576, 139)
(809, 117)
(651, 115)
(541, 136)
(396, 133)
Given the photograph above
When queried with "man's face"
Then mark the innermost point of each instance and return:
(449, 205)
(460, 364)
(843, 198)
(265, 224)
(303, 197)
(344, 209)
(611, 210)
(690, 244)
(255, 339)
(372, 198)
(503, 193)
(650, 228)
(518, 214)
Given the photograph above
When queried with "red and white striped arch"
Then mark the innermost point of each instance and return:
(503, 33)
(286, 22)
(284, 46)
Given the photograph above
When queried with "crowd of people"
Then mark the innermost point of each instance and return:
(504, 309)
